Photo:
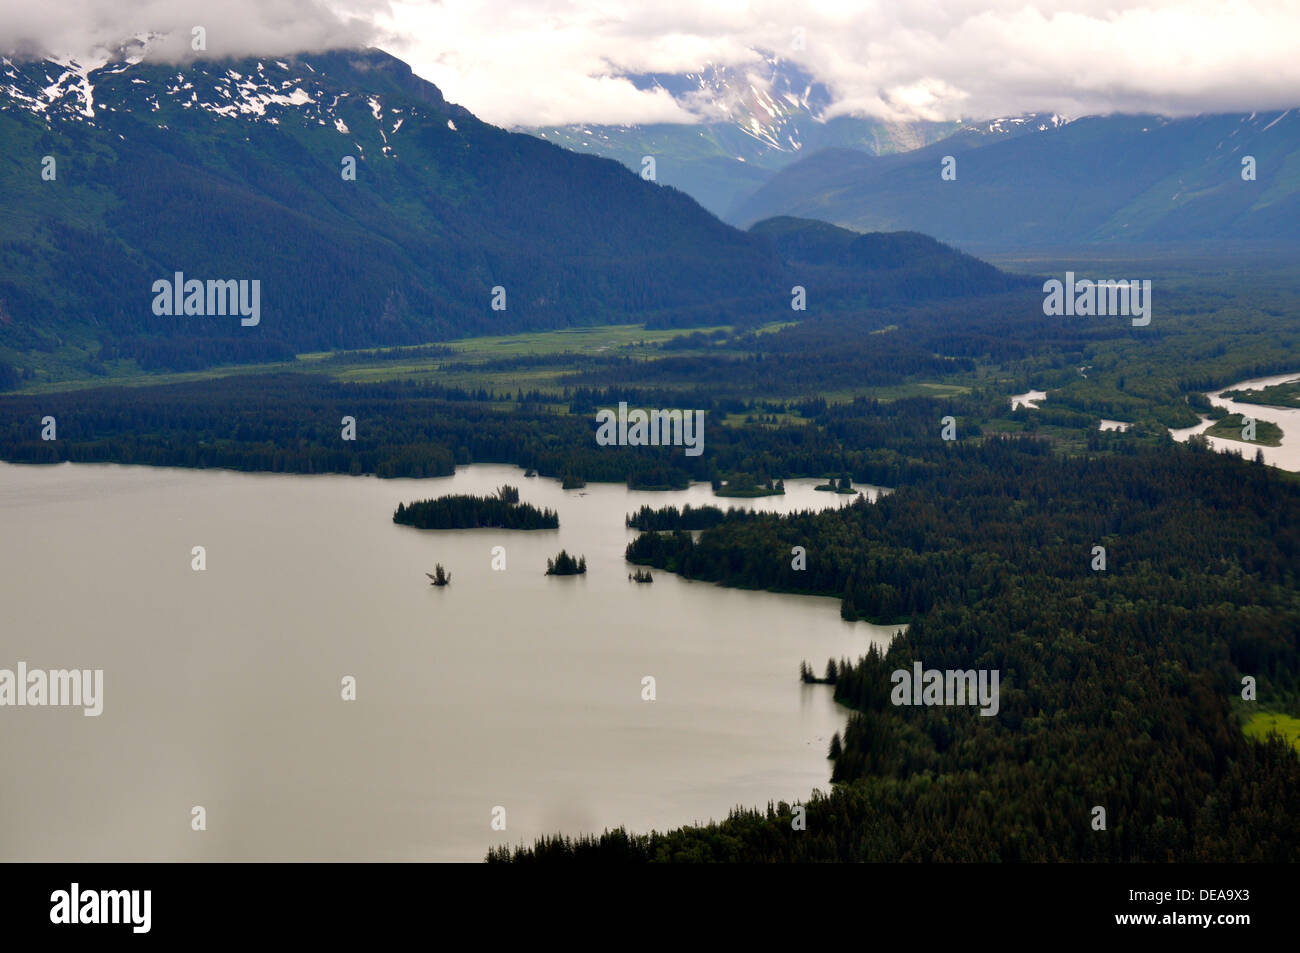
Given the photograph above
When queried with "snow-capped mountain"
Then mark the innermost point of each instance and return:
(753, 121)
(765, 101)
(93, 90)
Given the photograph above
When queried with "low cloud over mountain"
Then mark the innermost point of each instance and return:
(544, 64)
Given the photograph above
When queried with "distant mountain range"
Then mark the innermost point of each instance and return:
(1127, 179)
(764, 147)
(753, 121)
(123, 172)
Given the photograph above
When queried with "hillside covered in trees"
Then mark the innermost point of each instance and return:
(443, 226)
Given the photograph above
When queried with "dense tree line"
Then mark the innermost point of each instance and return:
(422, 353)
(195, 351)
(292, 423)
(648, 519)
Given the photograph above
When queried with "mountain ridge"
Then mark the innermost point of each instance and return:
(234, 169)
(226, 170)
(1095, 180)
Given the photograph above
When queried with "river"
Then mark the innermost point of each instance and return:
(1285, 456)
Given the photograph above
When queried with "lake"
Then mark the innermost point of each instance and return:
(222, 688)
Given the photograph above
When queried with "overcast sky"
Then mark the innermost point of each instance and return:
(542, 62)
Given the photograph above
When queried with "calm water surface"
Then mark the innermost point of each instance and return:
(222, 688)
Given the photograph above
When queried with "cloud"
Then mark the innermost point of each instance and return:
(233, 27)
(536, 63)
(544, 62)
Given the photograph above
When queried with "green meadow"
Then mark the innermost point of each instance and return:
(1264, 723)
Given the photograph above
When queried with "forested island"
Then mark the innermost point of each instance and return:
(1232, 426)
(463, 511)
(844, 484)
(566, 565)
(748, 485)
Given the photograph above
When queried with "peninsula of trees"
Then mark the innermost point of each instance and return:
(648, 519)
(1115, 683)
(1276, 395)
(503, 511)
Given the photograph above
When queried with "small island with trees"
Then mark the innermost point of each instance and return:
(641, 575)
(843, 485)
(503, 511)
(439, 576)
(1232, 427)
(566, 565)
(748, 485)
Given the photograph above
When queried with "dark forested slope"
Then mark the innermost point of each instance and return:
(1119, 687)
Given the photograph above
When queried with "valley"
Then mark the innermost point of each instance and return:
(438, 350)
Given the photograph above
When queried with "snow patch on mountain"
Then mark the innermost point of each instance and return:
(1009, 124)
(62, 89)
